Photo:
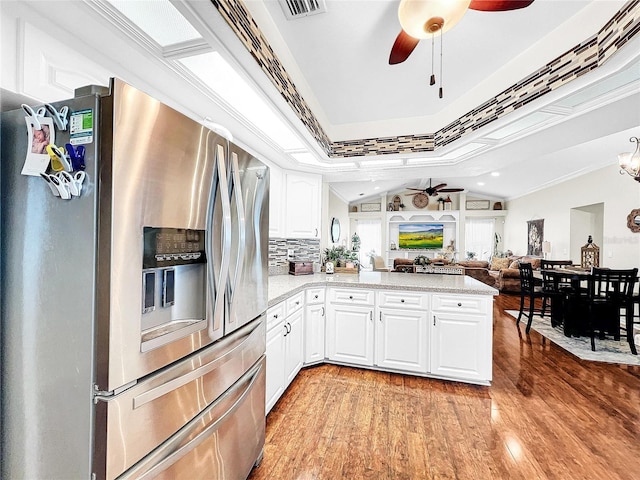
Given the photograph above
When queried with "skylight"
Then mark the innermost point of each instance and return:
(159, 19)
(211, 69)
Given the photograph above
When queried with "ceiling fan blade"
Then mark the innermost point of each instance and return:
(439, 186)
(416, 189)
(498, 5)
(451, 190)
(402, 48)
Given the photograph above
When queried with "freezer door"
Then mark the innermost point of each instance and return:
(247, 294)
(159, 171)
(132, 424)
(223, 442)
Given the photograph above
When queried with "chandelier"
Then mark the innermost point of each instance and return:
(630, 161)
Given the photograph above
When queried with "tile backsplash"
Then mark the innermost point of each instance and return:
(303, 249)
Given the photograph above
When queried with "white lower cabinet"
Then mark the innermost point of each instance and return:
(293, 346)
(285, 337)
(350, 334)
(314, 316)
(461, 337)
(402, 340)
(275, 365)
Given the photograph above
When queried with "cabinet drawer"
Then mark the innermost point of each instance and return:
(295, 303)
(275, 315)
(351, 296)
(315, 295)
(402, 299)
(461, 303)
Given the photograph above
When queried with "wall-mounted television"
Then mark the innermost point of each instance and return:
(420, 236)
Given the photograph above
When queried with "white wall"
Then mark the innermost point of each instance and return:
(619, 194)
(340, 210)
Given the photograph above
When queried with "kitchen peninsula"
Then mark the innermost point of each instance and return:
(430, 325)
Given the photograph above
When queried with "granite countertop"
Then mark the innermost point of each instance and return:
(282, 286)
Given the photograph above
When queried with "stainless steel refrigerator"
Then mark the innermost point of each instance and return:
(133, 314)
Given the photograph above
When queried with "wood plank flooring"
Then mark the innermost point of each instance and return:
(547, 415)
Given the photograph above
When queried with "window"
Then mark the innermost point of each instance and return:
(479, 237)
(370, 233)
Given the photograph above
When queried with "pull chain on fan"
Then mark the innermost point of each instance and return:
(432, 81)
(440, 90)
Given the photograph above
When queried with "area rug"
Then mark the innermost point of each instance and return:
(607, 350)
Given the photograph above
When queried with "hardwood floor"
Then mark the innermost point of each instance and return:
(546, 415)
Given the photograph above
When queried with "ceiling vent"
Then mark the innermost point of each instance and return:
(301, 8)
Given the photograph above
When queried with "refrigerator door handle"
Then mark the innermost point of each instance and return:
(242, 241)
(153, 465)
(217, 294)
(238, 339)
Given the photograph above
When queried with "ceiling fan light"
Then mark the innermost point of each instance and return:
(422, 18)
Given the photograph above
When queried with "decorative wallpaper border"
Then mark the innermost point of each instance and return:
(588, 55)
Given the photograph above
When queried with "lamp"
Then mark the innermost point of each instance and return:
(546, 248)
(630, 162)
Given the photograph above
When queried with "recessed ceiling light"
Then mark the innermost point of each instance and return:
(481, 183)
(495, 174)
(376, 188)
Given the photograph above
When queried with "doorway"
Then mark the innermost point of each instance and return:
(584, 221)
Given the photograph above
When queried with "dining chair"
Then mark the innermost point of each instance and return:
(553, 286)
(553, 293)
(528, 290)
(609, 292)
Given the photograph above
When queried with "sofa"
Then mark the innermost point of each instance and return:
(501, 273)
(403, 265)
(479, 269)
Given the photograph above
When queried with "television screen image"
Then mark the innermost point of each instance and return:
(420, 235)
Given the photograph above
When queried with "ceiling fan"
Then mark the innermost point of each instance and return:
(423, 18)
(433, 191)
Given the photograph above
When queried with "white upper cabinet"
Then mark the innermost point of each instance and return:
(294, 204)
(303, 205)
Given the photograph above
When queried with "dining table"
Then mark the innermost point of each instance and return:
(571, 310)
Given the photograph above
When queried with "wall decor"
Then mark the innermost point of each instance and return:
(633, 220)
(535, 237)
(370, 207)
(397, 201)
(477, 204)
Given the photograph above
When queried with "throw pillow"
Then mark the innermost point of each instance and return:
(499, 263)
(515, 264)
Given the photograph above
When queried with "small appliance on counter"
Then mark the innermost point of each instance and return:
(300, 267)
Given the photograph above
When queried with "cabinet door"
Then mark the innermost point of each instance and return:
(402, 340)
(293, 346)
(461, 346)
(275, 365)
(303, 206)
(350, 334)
(314, 333)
